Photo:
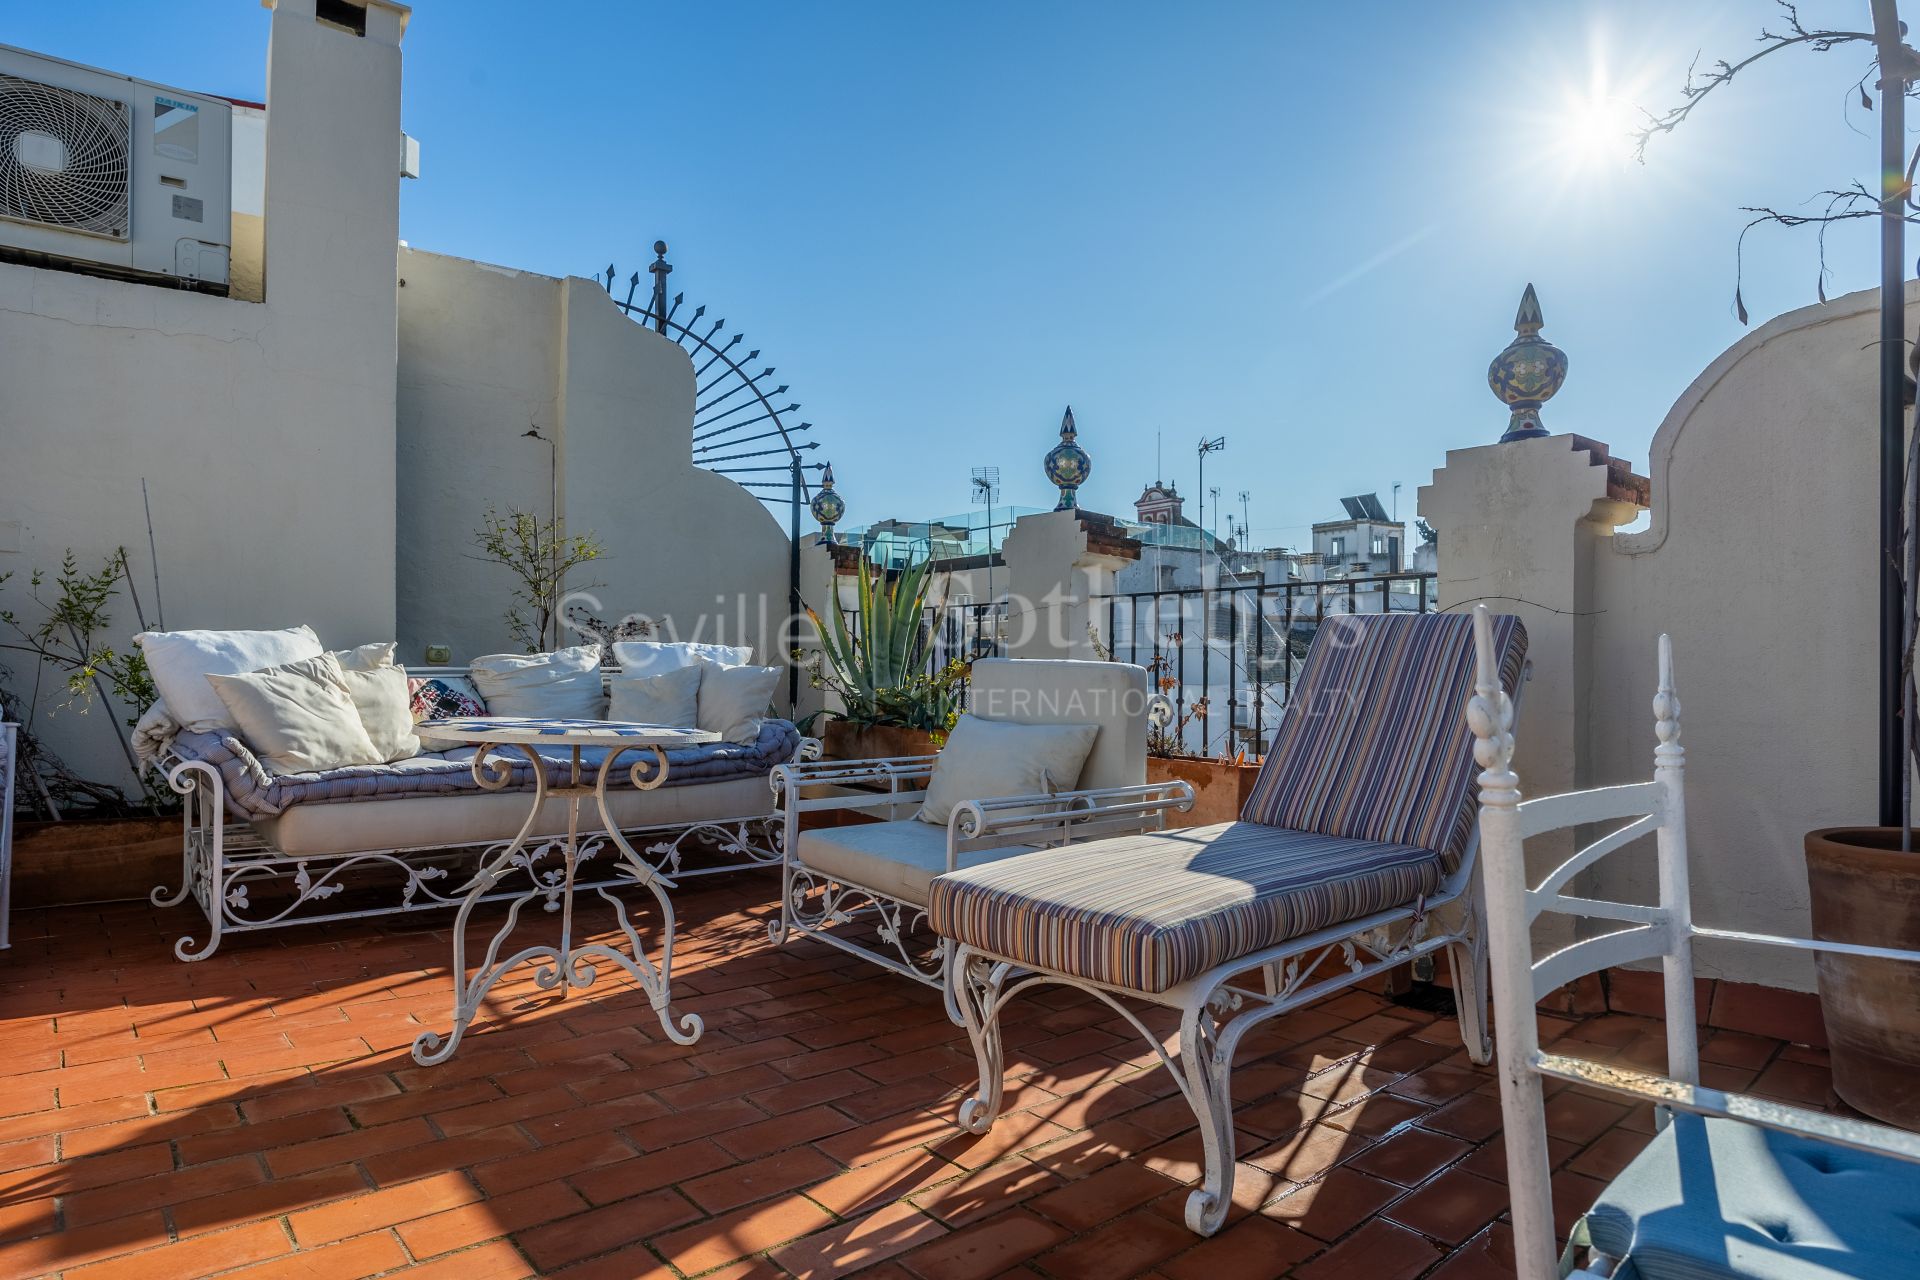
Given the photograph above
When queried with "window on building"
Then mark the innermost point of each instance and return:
(1339, 547)
(1379, 546)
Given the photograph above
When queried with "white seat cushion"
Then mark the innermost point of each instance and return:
(899, 859)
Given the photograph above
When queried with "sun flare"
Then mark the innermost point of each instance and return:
(1595, 131)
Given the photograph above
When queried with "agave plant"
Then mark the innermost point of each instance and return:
(878, 666)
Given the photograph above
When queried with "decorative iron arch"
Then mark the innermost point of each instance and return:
(778, 471)
(719, 401)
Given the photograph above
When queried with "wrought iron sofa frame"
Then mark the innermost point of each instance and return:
(1663, 931)
(221, 857)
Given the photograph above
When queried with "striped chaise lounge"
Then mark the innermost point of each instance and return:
(1359, 825)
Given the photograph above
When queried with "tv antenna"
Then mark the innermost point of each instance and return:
(1246, 523)
(1207, 446)
(986, 488)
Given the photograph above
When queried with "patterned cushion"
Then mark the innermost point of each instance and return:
(444, 698)
(1145, 912)
(1374, 743)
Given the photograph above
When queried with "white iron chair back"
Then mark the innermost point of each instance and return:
(1663, 931)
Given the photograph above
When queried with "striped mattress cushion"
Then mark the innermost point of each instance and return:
(1148, 911)
(1374, 743)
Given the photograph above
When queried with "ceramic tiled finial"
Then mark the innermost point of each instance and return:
(1528, 373)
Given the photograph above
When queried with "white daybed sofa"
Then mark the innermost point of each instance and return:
(262, 851)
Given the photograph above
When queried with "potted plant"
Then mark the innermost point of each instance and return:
(1220, 783)
(891, 705)
(1864, 887)
(84, 840)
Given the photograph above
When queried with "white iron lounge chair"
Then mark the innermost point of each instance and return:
(1359, 825)
(864, 888)
(1732, 1186)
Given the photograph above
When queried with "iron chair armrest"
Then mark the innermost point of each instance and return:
(836, 772)
(1067, 815)
(788, 780)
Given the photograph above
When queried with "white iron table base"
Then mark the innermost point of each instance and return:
(570, 964)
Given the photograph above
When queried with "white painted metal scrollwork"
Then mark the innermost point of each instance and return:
(567, 965)
(814, 902)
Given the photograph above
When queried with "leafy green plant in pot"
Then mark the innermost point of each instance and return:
(891, 705)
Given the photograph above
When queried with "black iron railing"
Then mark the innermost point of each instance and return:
(1226, 656)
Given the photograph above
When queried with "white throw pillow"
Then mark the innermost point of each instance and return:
(386, 711)
(992, 759)
(565, 684)
(651, 657)
(181, 661)
(734, 700)
(297, 717)
(670, 698)
(367, 657)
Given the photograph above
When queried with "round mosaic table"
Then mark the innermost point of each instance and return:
(567, 965)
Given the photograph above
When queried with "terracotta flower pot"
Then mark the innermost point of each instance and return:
(1220, 787)
(93, 860)
(1866, 891)
(843, 740)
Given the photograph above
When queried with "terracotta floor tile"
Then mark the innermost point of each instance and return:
(1488, 1256)
(1452, 1207)
(1804, 1084)
(1379, 1251)
(1102, 1196)
(851, 1246)
(382, 1208)
(489, 1219)
(555, 1244)
(206, 1107)
(353, 1259)
(986, 1249)
(202, 1255)
(1409, 1157)
(740, 1184)
(1579, 1116)
(1254, 1248)
(1334, 1205)
(738, 1234)
(1124, 1247)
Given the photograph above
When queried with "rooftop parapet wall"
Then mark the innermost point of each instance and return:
(264, 430)
(1758, 558)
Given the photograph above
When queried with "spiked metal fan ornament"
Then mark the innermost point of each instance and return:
(1528, 373)
(729, 398)
(1068, 465)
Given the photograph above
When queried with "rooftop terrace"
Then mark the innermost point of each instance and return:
(258, 1115)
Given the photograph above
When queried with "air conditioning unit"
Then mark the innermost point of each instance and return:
(109, 174)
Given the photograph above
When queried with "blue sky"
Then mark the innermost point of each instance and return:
(1303, 227)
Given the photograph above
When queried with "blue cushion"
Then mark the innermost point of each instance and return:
(1714, 1199)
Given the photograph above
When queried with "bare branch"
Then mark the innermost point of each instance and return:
(1698, 86)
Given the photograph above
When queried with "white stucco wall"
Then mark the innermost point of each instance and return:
(1760, 562)
(1758, 559)
(264, 430)
(486, 352)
